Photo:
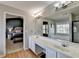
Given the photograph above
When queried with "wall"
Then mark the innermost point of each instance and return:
(26, 16)
(13, 22)
(38, 26)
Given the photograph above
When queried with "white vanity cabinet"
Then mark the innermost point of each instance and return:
(32, 44)
(37, 46)
(61, 55)
(50, 53)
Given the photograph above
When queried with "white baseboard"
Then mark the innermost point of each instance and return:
(26, 48)
(14, 51)
(1, 56)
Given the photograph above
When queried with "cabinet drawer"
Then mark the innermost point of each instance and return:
(40, 45)
(50, 53)
(61, 55)
(32, 44)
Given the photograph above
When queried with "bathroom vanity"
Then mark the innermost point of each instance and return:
(53, 48)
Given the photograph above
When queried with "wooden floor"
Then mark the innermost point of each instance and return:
(10, 46)
(21, 54)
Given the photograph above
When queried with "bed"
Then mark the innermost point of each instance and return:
(16, 33)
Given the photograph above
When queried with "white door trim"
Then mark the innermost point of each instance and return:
(5, 28)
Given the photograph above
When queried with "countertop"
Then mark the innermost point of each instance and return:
(71, 50)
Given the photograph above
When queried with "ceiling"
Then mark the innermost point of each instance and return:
(29, 6)
(35, 6)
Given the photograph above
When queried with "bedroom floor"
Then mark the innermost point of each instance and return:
(11, 47)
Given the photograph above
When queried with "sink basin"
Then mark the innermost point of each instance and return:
(64, 45)
(59, 45)
(35, 36)
(62, 48)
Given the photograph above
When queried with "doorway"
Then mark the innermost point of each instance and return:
(45, 28)
(14, 33)
(75, 31)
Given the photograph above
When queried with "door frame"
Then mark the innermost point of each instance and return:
(15, 14)
(73, 29)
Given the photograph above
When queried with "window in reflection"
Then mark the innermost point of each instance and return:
(62, 28)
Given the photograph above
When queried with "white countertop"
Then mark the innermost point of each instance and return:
(71, 50)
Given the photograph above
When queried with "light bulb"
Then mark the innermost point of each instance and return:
(57, 4)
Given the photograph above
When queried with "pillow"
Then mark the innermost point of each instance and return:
(18, 29)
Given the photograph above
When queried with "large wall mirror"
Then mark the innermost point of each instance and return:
(59, 27)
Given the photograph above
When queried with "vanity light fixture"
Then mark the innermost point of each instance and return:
(57, 5)
(62, 4)
(36, 12)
